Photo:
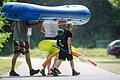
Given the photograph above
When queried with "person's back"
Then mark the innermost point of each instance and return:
(20, 31)
(62, 39)
(50, 28)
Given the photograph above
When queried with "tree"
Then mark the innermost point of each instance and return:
(115, 3)
(116, 19)
(3, 34)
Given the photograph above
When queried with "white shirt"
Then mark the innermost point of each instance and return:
(50, 28)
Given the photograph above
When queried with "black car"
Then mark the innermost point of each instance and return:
(114, 48)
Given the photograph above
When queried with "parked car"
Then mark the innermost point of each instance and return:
(114, 48)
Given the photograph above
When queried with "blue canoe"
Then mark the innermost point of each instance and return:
(29, 12)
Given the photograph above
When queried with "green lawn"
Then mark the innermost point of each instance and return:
(90, 53)
(95, 53)
(5, 65)
(38, 53)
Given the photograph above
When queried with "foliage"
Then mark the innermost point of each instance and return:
(115, 17)
(115, 3)
(3, 37)
(3, 34)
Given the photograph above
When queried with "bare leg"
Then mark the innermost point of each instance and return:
(72, 65)
(57, 64)
(44, 67)
(54, 63)
(74, 73)
(48, 66)
(28, 60)
(14, 59)
(55, 70)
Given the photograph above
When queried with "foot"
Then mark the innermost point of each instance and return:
(13, 73)
(75, 73)
(32, 72)
(43, 72)
(58, 72)
(54, 72)
(49, 73)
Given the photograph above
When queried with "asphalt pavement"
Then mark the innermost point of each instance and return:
(87, 72)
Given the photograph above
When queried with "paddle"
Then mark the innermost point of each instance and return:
(78, 55)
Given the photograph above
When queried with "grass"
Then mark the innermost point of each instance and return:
(90, 53)
(5, 65)
(36, 53)
(95, 53)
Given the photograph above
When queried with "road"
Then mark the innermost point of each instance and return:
(88, 72)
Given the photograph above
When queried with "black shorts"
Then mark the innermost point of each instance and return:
(21, 47)
(50, 38)
(63, 56)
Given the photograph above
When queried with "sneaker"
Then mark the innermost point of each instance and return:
(13, 73)
(43, 72)
(75, 73)
(54, 72)
(32, 72)
(58, 72)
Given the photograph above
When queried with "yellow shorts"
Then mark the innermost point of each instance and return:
(47, 45)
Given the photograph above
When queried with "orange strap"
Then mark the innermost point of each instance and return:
(83, 57)
(49, 58)
(75, 53)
